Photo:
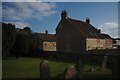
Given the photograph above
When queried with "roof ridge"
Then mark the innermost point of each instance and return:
(45, 33)
(76, 19)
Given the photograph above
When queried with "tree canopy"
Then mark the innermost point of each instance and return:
(18, 42)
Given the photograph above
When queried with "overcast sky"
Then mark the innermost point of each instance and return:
(41, 16)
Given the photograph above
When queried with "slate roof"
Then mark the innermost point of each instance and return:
(117, 38)
(106, 36)
(47, 37)
(87, 30)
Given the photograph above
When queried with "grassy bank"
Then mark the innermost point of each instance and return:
(29, 68)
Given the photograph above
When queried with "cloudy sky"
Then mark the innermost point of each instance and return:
(60, 0)
(41, 16)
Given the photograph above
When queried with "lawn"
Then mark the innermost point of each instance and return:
(29, 68)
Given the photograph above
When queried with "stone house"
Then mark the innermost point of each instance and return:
(76, 36)
(48, 41)
(116, 44)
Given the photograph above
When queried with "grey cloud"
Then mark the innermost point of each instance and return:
(110, 28)
(26, 10)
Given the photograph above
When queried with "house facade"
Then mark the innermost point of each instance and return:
(49, 46)
(94, 43)
(116, 44)
(76, 36)
(48, 41)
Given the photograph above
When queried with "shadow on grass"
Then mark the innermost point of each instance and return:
(9, 58)
(97, 75)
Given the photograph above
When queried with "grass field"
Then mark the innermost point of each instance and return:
(29, 68)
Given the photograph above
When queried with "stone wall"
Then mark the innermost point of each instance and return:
(93, 43)
(68, 38)
(49, 46)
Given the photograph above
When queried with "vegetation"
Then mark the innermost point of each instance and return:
(21, 45)
(22, 42)
(29, 68)
(35, 45)
(18, 42)
(8, 38)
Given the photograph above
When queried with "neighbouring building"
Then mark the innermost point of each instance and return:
(76, 36)
(48, 41)
(116, 43)
(94, 43)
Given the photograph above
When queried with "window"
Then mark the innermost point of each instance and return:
(45, 44)
(53, 44)
(88, 47)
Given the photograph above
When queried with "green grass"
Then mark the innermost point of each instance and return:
(29, 68)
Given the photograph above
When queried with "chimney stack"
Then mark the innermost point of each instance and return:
(64, 14)
(46, 31)
(87, 20)
(99, 31)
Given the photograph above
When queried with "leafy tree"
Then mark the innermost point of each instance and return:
(19, 42)
(27, 31)
(8, 38)
(22, 43)
(35, 43)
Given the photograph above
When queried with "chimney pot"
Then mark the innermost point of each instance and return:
(46, 31)
(64, 14)
(87, 20)
(99, 31)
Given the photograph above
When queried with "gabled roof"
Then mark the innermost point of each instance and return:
(106, 36)
(87, 30)
(117, 39)
(47, 37)
(84, 28)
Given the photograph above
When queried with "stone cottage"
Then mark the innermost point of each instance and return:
(48, 41)
(76, 36)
